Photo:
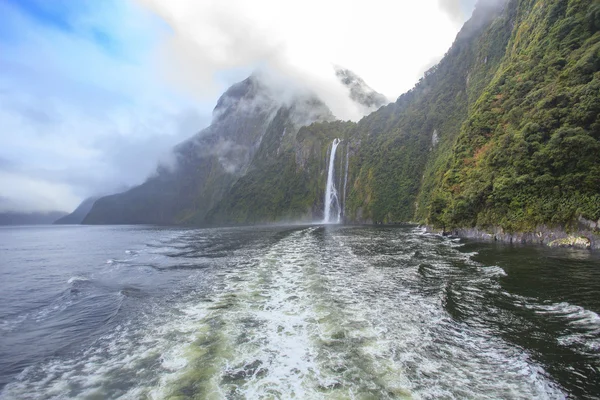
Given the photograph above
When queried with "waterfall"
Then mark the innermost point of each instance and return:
(332, 202)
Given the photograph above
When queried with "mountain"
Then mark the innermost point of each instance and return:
(78, 215)
(209, 163)
(35, 218)
(381, 161)
(502, 137)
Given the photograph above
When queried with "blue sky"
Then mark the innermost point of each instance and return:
(93, 94)
(82, 108)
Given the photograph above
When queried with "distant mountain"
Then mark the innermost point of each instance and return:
(77, 216)
(35, 218)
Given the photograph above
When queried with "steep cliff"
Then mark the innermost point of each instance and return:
(503, 135)
(402, 148)
(529, 152)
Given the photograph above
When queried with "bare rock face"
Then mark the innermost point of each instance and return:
(585, 223)
(435, 138)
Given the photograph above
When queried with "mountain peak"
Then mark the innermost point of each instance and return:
(360, 92)
(246, 90)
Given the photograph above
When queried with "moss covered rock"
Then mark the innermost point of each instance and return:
(580, 242)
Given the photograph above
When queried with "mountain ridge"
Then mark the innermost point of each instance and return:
(210, 162)
(78, 215)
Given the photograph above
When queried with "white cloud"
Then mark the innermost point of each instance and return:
(388, 43)
(22, 193)
(77, 118)
(82, 114)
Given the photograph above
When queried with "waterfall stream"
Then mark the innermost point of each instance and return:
(333, 211)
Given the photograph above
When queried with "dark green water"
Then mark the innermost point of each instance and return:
(306, 312)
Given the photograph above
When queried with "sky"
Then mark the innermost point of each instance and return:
(95, 94)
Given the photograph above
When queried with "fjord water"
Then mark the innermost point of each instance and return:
(303, 312)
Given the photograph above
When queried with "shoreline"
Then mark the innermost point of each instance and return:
(581, 238)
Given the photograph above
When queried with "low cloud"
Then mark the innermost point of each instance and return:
(26, 194)
(78, 118)
(83, 113)
(386, 43)
(458, 10)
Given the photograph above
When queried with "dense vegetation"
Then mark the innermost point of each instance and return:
(286, 180)
(529, 153)
(406, 145)
(504, 132)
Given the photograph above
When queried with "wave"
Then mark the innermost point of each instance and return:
(575, 315)
(494, 271)
(75, 279)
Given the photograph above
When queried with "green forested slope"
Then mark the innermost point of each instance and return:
(503, 132)
(529, 153)
(287, 179)
(404, 146)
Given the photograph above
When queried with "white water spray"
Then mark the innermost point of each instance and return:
(331, 194)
